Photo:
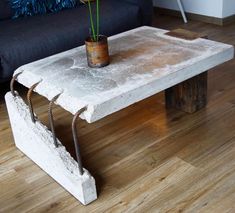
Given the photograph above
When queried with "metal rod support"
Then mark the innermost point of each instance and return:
(51, 119)
(75, 139)
(13, 92)
(182, 11)
(29, 94)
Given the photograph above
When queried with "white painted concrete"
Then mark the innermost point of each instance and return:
(228, 8)
(212, 8)
(36, 141)
(144, 62)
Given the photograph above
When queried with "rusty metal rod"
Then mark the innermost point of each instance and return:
(29, 94)
(75, 139)
(12, 84)
(51, 119)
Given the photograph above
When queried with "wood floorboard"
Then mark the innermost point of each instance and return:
(144, 158)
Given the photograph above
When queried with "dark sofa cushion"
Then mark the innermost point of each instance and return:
(35, 7)
(5, 10)
(146, 9)
(25, 40)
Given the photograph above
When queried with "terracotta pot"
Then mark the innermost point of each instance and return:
(97, 52)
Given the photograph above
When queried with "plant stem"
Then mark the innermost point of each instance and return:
(91, 20)
(97, 19)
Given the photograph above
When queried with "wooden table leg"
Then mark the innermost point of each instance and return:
(188, 96)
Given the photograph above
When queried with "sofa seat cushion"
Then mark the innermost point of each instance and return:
(25, 40)
(5, 10)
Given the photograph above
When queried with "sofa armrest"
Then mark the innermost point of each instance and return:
(146, 7)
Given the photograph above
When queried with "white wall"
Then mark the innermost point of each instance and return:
(212, 8)
(228, 8)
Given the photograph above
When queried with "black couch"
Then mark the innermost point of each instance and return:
(24, 40)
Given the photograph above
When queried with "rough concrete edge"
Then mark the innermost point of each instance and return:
(87, 194)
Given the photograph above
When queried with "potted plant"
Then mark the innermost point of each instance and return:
(96, 44)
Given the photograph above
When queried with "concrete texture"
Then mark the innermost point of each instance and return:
(144, 62)
(35, 140)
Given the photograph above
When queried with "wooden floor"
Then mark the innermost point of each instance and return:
(144, 158)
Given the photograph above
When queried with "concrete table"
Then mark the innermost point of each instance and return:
(144, 61)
